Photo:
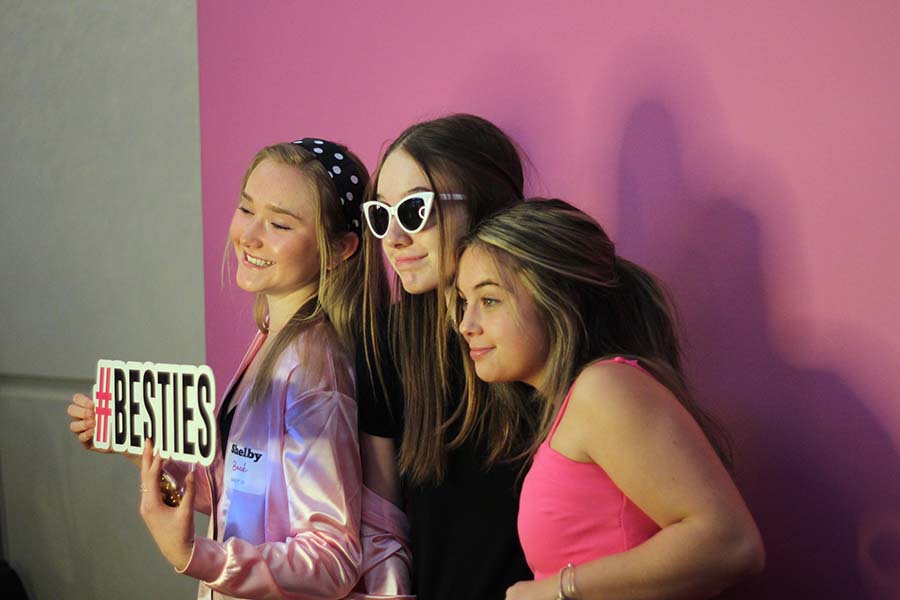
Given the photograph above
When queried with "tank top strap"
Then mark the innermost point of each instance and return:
(565, 403)
(559, 414)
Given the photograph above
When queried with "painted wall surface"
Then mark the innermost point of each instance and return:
(100, 238)
(746, 152)
(100, 229)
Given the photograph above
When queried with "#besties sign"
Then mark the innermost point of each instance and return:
(173, 405)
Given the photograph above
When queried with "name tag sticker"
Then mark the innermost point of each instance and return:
(173, 405)
(245, 469)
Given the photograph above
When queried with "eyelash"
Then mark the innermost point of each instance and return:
(486, 301)
(278, 226)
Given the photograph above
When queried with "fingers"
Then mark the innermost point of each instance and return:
(153, 471)
(83, 401)
(82, 426)
(81, 407)
(81, 411)
(150, 491)
(187, 500)
(146, 460)
(76, 411)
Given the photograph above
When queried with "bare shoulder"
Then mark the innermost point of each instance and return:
(614, 394)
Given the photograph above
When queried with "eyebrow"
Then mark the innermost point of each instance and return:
(486, 283)
(407, 192)
(273, 207)
(481, 284)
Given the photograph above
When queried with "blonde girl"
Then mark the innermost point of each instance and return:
(294, 523)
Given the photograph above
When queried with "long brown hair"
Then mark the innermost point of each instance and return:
(338, 297)
(459, 154)
(593, 305)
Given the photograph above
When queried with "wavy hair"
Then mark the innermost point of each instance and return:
(593, 305)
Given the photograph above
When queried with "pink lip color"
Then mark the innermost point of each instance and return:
(476, 353)
(406, 261)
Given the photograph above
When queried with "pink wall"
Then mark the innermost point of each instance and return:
(747, 152)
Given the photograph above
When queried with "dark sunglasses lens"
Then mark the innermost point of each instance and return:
(378, 219)
(411, 212)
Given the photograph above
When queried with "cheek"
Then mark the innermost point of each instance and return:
(303, 253)
(536, 347)
(234, 230)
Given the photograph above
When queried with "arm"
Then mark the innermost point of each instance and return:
(321, 472)
(81, 411)
(661, 460)
(387, 560)
(379, 466)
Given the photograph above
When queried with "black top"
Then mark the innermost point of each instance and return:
(464, 538)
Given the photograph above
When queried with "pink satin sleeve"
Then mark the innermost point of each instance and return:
(387, 560)
(322, 479)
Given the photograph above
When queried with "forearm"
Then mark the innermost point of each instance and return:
(684, 560)
(307, 566)
(387, 560)
(379, 467)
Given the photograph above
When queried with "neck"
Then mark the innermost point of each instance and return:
(537, 380)
(281, 308)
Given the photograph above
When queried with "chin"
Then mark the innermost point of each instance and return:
(417, 287)
(486, 377)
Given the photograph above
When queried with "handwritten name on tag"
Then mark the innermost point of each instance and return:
(245, 469)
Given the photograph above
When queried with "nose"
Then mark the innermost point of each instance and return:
(468, 325)
(251, 234)
(395, 236)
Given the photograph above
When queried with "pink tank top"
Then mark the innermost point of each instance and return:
(572, 512)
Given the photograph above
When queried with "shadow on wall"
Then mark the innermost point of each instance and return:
(818, 471)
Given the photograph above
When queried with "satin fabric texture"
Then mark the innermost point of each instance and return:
(290, 517)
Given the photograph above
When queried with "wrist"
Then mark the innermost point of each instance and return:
(567, 589)
(183, 559)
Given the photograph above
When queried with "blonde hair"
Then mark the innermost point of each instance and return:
(338, 296)
(459, 154)
(593, 305)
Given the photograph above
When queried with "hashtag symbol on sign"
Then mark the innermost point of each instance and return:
(102, 409)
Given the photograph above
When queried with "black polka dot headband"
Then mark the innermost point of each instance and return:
(345, 175)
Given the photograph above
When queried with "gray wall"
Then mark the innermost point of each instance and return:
(100, 233)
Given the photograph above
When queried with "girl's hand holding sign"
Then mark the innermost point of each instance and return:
(172, 528)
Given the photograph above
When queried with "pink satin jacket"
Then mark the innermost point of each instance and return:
(292, 518)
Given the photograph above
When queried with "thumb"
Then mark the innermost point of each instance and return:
(190, 485)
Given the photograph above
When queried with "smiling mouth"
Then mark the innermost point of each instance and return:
(477, 353)
(257, 262)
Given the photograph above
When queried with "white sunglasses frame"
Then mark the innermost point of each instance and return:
(426, 196)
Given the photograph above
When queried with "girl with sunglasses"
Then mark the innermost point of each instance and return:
(459, 484)
(297, 521)
(627, 495)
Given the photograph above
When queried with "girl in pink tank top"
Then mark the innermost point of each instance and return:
(628, 494)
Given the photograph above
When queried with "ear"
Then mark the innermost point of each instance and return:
(346, 247)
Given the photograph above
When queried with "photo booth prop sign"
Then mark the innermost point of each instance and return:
(172, 405)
